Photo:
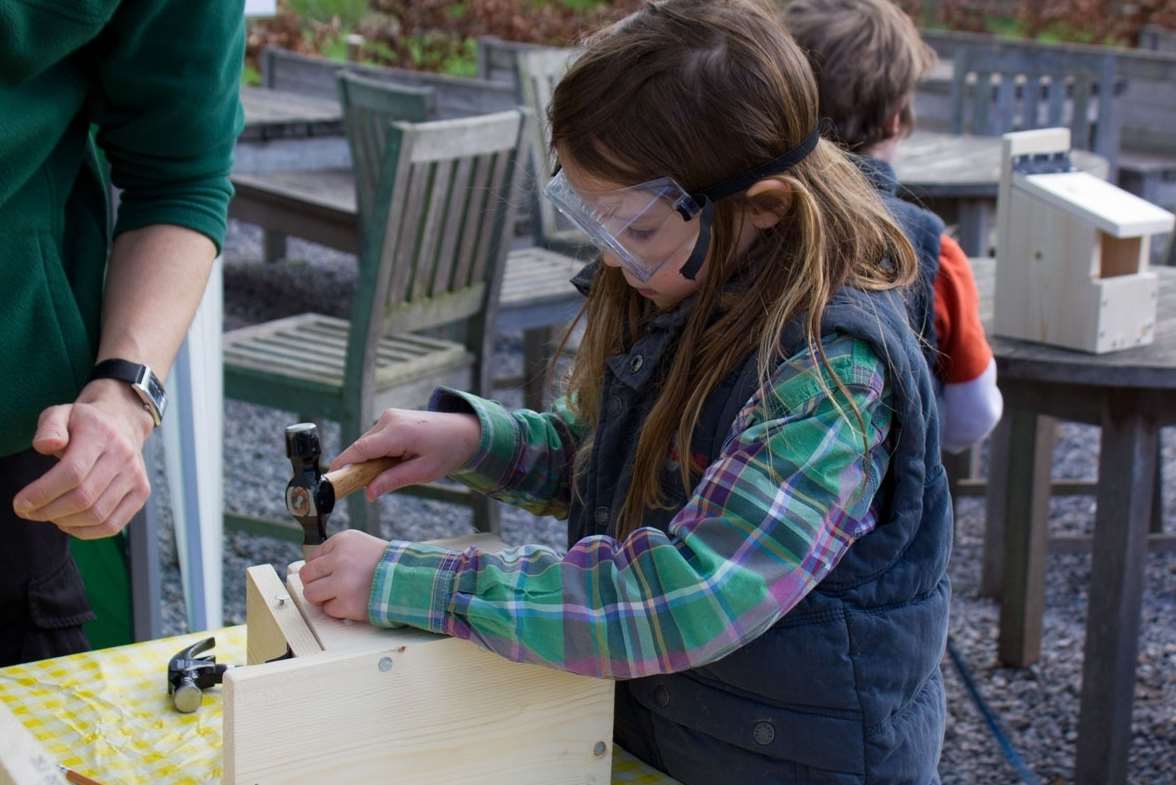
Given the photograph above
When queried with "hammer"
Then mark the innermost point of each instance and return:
(311, 495)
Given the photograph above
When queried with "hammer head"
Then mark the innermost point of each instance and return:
(188, 675)
(308, 498)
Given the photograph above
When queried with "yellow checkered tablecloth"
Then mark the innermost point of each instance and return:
(107, 715)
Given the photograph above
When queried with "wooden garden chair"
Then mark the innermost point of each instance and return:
(435, 239)
(539, 71)
(1016, 88)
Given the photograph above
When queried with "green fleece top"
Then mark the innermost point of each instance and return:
(157, 81)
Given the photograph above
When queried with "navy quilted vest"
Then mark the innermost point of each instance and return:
(923, 228)
(846, 687)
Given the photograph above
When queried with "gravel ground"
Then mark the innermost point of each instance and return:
(1038, 705)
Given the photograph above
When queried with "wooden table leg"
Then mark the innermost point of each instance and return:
(996, 509)
(538, 346)
(1157, 510)
(1126, 482)
(273, 245)
(973, 226)
(1026, 537)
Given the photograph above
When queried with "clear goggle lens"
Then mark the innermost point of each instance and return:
(645, 226)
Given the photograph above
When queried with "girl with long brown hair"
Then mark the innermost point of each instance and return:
(747, 448)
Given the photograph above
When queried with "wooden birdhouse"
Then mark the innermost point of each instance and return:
(1072, 251)
(324, 701)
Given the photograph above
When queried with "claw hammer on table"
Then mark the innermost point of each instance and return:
(310, 494)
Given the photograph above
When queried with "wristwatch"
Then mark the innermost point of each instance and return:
(142, 380)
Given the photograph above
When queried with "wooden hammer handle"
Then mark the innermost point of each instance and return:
(356, 475)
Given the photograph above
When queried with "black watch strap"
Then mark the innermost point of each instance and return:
(141, 379)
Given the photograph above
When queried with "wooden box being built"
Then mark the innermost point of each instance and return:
(1072, 251)
(357, 704)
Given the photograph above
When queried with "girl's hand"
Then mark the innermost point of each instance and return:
(429, 444)
(339, 577)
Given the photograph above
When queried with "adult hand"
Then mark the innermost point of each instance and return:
(339, 577)
(100, 480)
(429, 444)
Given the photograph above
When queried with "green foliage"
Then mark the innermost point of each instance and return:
(580, 6)
(250, 76)
(348, 12)
(335, 48)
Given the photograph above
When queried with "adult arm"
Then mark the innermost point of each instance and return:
(167, 111)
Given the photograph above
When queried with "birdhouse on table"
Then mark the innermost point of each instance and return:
(1072, 253)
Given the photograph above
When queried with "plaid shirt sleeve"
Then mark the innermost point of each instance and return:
(790, 492)
(525, 458)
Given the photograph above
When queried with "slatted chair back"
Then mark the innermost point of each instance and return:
(436, 244)
(498, 59)
(1014, 88)
(370, 108)
(539, 72)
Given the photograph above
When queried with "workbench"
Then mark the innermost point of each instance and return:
(106, 714)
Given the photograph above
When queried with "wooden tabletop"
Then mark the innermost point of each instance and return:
(1152, 366)
(280, 114)
(933, 165)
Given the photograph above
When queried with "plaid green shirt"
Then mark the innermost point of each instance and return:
(790, 492)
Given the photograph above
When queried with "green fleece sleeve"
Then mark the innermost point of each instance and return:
(168, 110)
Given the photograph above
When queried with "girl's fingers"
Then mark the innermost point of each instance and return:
(373, 444)
(319, 567)
(414, 471)
(320, 590)
(335, 608)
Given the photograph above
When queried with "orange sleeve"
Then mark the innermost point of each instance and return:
(963, 346)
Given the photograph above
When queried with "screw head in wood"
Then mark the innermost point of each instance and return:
(385, 664)
(599, 749)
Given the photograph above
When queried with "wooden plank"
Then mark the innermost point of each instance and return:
(1026, 532)
(427, 261)
(23, 761)
(437, 310)
(407, 213)
(425, 710)
(446, 139)
(1126, 456)
(413, 705)
(491, 219)
(455, 217)
(476, 208)
(274, 622)
(1108, 207)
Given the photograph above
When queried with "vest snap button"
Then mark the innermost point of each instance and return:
(601, 514)
(764, 733)
(636, 362)
(616, 407)
(661, 695)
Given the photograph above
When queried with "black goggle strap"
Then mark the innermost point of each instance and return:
(702, 244)
(783, 163)
(706, 198)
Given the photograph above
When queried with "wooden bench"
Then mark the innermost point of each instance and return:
(316, 77)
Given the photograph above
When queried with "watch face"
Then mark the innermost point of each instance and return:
(151, 391)
(155, 390)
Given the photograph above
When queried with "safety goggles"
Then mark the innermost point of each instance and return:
(655, 223)
(645, 226)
